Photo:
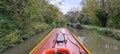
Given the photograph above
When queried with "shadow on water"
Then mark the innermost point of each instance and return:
(98, 44)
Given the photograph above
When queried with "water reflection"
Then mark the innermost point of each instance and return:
(98, 44)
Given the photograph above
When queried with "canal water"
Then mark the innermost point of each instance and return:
(98, 44)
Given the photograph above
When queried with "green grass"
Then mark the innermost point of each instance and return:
(114, 33)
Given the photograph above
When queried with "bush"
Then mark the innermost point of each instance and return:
(25, 34)
(39, 26)
(11, 38)
(102, 16)
(2, 47)
(87, 21)
(7, 40)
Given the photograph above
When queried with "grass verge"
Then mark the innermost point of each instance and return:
(104, 31)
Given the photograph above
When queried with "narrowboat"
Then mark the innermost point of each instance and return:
(60, 41)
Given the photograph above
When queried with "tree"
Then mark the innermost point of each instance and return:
(103, 11)
(102, 16)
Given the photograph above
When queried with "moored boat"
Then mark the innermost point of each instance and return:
(60, 41)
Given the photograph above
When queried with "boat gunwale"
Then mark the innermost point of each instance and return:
(41, 41)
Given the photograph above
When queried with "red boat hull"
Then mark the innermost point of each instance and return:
(72, 42)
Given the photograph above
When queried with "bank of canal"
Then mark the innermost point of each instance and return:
(26, 46)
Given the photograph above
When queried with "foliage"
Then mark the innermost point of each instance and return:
(86, 20)
(102, 16)
(20, 19)
(104, 12)
(39, 26)
(72, 16)
(77, 16)
(11, 38)
(49, 15)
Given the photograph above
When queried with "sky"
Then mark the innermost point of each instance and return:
(66, 4)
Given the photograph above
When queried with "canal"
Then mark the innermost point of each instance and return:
(96, 43)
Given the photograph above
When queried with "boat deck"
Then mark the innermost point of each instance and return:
(47, 42)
